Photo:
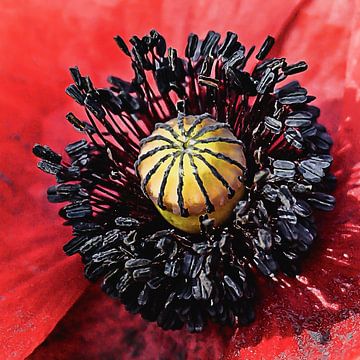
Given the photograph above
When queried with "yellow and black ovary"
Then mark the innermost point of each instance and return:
(191, 166)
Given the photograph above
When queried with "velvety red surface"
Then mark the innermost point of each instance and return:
(314, 316)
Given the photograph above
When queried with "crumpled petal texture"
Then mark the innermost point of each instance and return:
(124, 336)
(316, 316)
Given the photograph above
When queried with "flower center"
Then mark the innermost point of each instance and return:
(192, 166)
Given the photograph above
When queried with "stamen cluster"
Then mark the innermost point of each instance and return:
(167, 275)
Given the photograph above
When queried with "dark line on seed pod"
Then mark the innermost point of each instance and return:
(136, 167)
(154, 151)
(153, 170)
(183, 212)
(221, 157)
(157, 138)
(230, 190)
(180, 121)
(219, 139)
(164, 182)
(196, 122)
(209, 206)
(168, 128)
(210, 128)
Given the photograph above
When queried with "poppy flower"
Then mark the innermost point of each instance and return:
(312, 315)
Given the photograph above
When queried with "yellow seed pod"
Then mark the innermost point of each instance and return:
(191, 166)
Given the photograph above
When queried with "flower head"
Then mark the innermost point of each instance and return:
(233, 162)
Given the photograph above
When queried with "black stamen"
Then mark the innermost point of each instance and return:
(121, 43)
(265, 48)
(191, 45)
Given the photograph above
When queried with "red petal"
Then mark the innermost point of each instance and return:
(29, 311)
